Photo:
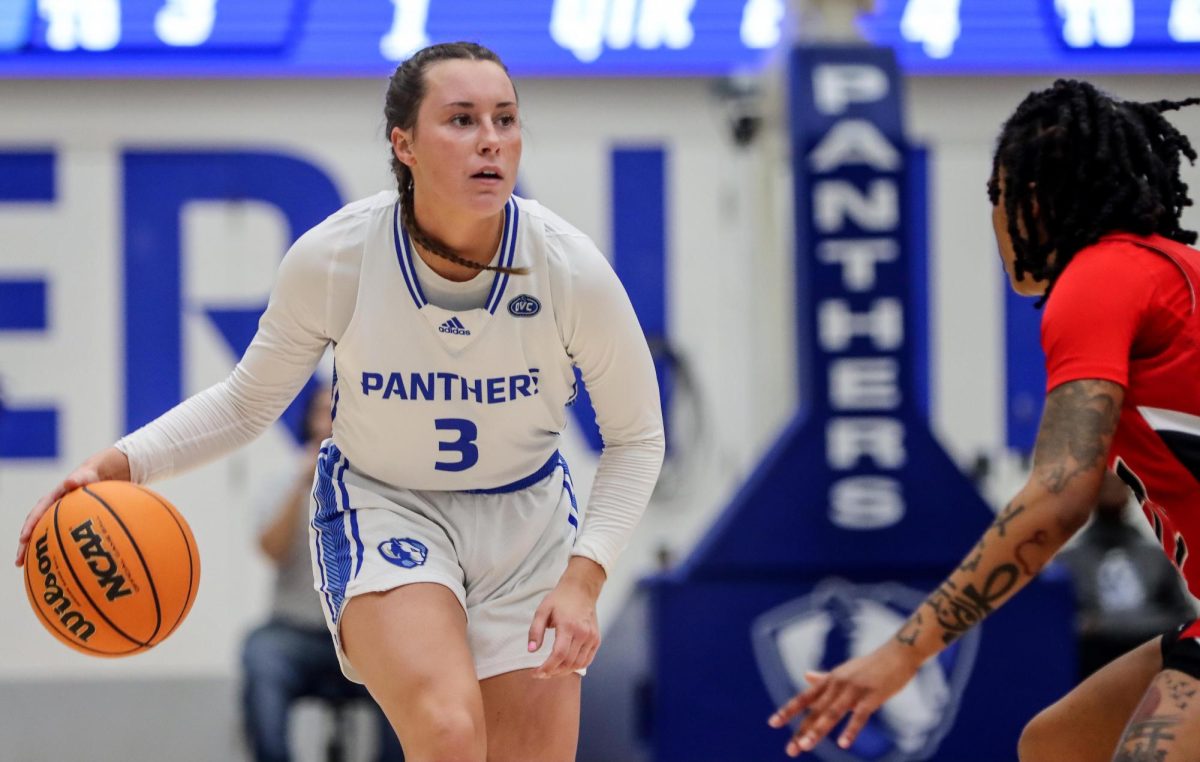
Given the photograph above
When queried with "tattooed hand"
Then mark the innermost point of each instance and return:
(860, 686)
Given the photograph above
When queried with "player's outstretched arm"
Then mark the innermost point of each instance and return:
(1069, 460)
(107, 464)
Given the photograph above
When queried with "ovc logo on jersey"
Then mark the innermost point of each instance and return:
(524, 306)
(406, 553)
(840, 620)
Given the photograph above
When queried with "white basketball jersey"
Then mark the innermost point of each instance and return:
(428, 398)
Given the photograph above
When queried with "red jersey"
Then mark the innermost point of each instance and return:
(1124, 310)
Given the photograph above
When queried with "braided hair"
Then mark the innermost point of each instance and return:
(1092, 164)
(406, 91)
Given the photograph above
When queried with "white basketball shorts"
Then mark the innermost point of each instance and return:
(499, 551)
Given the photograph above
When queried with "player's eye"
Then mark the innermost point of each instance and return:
(461, 120)
(506, 120)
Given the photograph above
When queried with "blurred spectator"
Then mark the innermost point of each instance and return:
(1126, 590)
(292, 656)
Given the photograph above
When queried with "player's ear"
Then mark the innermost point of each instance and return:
(402, 146)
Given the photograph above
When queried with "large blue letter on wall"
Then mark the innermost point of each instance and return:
(158, 184)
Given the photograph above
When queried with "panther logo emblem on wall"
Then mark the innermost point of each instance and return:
(841, 620)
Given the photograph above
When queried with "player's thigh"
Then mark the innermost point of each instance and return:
(409, 645)
(531, 720)
(1086, 724)
(1166, 724)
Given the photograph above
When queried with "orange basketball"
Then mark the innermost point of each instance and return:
(112, 569)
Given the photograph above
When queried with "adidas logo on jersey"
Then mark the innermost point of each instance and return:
(454, 326)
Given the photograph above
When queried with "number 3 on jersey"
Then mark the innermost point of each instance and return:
(464, 445)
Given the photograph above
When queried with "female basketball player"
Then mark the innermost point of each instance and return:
(445, 533)
(1086, 201)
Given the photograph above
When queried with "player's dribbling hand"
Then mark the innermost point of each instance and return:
(859, 687)
(570, 610)
(109, 464)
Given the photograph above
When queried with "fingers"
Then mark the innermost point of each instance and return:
(573, 656)
(825, 712)
(858, 688)
(862, 713)
(574, 648)
(78, 478)
(589, 656)
(31, 521)
(559, 657)
(564, 657)
(799, 702)
(537, 631)
(822, 718)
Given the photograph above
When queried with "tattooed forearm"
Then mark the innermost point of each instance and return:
(1013, 550)
(1027, 547)
(958, 610)
(911, 630)
(971, 563)
(975, 557)
(1010, 512)
(1077, 427)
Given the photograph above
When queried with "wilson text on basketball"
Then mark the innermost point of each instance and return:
(56, 598)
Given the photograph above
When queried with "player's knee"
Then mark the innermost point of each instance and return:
(444, 729)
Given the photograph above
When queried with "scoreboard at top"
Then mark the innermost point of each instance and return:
(303, 38)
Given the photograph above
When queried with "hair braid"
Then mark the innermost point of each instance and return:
(1078, 164)
(433, 245)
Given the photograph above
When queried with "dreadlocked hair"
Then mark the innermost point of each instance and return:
(406, 90)
(1090, 165)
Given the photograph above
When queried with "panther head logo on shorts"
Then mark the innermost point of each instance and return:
(407, 552)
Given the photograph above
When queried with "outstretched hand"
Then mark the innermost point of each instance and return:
(858, 687)
(109, 464)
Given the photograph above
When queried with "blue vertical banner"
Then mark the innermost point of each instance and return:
(640, 232)
(639, 192)
(638, 204)
(856, 512)
(875, 480)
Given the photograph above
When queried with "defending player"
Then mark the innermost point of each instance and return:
(445, 533)
(1086, 199)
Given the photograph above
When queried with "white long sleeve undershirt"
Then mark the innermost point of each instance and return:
(310, 307)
